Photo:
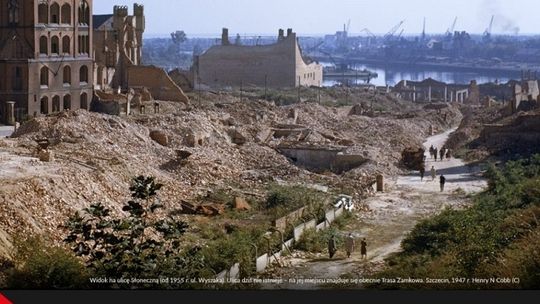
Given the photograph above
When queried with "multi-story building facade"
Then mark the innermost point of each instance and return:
(46, 63)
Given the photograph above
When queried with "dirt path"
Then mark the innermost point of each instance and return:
(392, 215)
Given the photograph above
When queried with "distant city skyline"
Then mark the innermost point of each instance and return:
(319, 17)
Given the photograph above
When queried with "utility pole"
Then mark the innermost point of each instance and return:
(319, 92)
(199, 91)
(241, 90)
(299, 85)
(265, 85)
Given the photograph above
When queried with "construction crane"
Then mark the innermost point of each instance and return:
(400, 34)
(367, 31)
(487, 33)
(451, 29)
(393, 31)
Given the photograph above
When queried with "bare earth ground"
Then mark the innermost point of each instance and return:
(406, 201)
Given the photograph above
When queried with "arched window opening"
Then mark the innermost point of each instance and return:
(84, 101)
(55, 45)
(44, 77)
(44, 108)
(67, 75)
(83, 74)
(43, 45)
(84, 13)
(43, 13)
(55, 13)
(66, 14)
(66, 45)
(56, 104)
(67, 102)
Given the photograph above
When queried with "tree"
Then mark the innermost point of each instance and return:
(144, 242)
(178, 37)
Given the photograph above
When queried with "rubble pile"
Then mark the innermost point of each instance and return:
(221, 144)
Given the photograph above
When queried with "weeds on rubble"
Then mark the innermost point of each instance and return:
(39, 266)
(282, 200)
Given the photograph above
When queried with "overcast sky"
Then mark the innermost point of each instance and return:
(205, 17)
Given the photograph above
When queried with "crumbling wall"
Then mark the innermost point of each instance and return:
(522, 135)
(157, 81)
(107, 103)
(183, 79)
(323, 159)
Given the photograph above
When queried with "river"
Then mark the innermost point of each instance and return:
(393, 75)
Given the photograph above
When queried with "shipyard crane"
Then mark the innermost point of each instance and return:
(367, 31)
(393, 31)
(451, 29)
(400, 34)
(487, 33)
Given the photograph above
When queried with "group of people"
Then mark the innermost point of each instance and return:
(441, 154)
(350, 245)
(433, 151)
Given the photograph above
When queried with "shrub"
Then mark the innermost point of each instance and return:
(39, 266)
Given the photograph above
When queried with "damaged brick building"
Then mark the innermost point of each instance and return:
(45, 57)
(118, 41)
(277, 65)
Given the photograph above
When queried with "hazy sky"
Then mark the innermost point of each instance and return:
(326, 16)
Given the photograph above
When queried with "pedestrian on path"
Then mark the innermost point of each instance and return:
(422, 172)
(433, 173)
(442, 153)
(363, 248)
(442, 182)
(448, 154)
(332, 246)
(435, 153)
(349, 245)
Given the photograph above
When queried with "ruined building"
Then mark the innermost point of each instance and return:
(430, 90)
(118, 44)
(45, 57)
(276, 65)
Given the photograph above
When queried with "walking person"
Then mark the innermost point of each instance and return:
(442, 153)
(363, 248)
(448, 154)
(349, 245)
(422, 172)
(332, 246)
(433, 173)
(442, 182)
(435, 153)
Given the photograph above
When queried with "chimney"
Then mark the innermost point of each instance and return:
(289, 32)
(225, 36)
(280, 35)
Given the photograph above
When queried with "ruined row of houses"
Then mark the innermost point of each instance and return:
(517, 95)
(55, 54)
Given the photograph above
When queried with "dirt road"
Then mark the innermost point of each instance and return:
(392, 215)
